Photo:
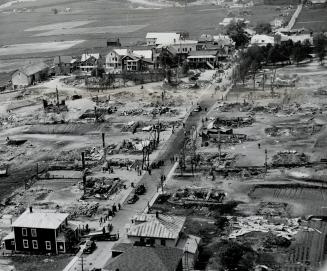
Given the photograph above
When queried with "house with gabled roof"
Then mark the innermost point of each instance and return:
(90, 62)
(145, 258)
(164, 230)
(29, 74)
(156, 229)
(118, 60)
(41, 231)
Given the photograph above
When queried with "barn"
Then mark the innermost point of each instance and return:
(30, 74)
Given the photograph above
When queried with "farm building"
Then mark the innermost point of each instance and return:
(40, 231)
(30, 74)
(167, 38)
(142, 258)
(113, 42)
(203, 59)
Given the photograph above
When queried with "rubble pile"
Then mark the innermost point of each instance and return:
(132, 112)
(101, 187)
(233, 122)
(286, 228)
(298, 130)
(273, 209)
(86, 209)
(94, 154)
(198, 196)
(289, 157)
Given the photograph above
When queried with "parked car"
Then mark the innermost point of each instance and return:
(140, 190)
(133, 199)
(90, 246)
(197, 109)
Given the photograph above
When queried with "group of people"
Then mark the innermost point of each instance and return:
(111, 213)
(174, 159)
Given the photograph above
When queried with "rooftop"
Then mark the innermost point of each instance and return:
(63, 59)
(164, 226)
(87, 56)
(40, 219)
(33, 68)
(146, 259)
(164, 38)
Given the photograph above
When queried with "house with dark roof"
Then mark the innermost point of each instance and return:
(64, 65)
(163, 230)
(29, 74)
(41, 231)
(129, 257)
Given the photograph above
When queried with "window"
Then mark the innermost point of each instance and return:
(163, 242)
(47, 245)
(25, 243)
(12, 243)
(33, 232)
(35, 244)
(24, 231)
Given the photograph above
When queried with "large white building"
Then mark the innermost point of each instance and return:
(165, 38)
(262, 40)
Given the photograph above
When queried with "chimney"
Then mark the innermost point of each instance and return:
(31, 209)
(157, 214)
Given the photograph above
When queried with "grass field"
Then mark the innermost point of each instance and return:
(314, 19)
(96, 21)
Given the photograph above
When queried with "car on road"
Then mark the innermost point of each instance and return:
(90, 246)
(197, 109)
(140, 190)
(133, 199)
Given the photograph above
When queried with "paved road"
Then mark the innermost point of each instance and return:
(102, 254)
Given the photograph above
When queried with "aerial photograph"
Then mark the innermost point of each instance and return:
(163, 135)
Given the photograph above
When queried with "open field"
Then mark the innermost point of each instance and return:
(314, 19)
(42, 47)
(105, 19)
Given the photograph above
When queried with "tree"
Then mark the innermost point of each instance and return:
(320, 43)
(263, 28)
(237, 257)
(255, 53)
(235, 30)
(299, 52)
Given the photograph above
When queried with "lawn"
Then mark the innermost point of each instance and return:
(314, 19)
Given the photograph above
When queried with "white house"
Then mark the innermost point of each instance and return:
(89, 62)
(262, 40)
(184, 46)
(228, 20)
(114, 59)
(165, 38)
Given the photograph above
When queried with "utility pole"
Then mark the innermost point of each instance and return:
(266, 159)
(103, 141)
(83, 160)
(57, 95)
(82, 263)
